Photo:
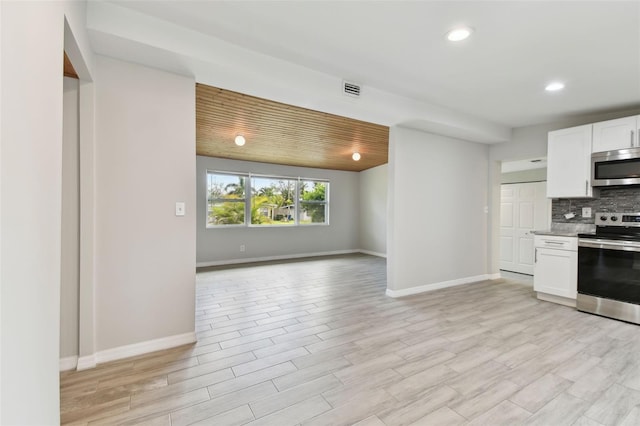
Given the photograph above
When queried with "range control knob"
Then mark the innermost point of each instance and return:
(603, 218)
(614, 218)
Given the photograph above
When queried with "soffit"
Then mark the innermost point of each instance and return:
(284, 134)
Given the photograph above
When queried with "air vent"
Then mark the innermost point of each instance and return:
(351, 89)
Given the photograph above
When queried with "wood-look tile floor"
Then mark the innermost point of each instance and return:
(317, 342)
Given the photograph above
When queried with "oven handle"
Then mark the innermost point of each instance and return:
(609, 244)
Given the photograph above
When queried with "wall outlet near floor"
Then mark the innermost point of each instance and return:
(242, 247)
(586, 212)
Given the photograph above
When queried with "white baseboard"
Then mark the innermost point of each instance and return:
(373, 253)
(556, 299)
(145, 347)
(68, 363)
(495, 276)
(268, 258)
(86, 362)
(436, 286)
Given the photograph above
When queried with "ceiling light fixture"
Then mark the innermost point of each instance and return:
(240, 140)
(459, 34)
(356, 156)
(554, 86)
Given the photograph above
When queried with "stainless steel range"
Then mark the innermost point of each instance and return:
(609, 267)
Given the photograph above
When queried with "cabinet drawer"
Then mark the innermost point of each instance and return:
(553, 242)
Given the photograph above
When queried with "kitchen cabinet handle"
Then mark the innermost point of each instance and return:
(535, 255)
(632, 139)
(586, 187)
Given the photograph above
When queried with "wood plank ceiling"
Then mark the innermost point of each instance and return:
(68, 70)
(284, 134)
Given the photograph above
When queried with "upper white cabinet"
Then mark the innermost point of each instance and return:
(569, 163)
(616, 134)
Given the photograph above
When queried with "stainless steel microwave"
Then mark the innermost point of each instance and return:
(614, 168)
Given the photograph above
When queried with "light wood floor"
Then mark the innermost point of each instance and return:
(317, 342)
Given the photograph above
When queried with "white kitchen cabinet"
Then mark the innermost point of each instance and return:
(616, 134)
(555, 271)
(569, 163)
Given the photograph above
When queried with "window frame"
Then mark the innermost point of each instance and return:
(248, 195)
(274, 177)
(325, 202)
(240, 200)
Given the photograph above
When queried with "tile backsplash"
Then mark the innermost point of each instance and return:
(622, 199)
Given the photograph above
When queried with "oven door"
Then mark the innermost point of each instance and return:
(609, 278)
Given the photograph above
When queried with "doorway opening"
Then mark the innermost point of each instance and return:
(524, 207)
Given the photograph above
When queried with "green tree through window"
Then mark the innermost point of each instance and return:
(268, 200)
(313, 200)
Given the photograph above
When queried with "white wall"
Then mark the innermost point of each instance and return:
(216, 245)
(145, 162)
(437, 196)
(373, 210)
(70, 248)
(30, 224)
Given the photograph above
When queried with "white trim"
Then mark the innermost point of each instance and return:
(435, 286)
(86, 362)
(495, 276)
(135, 349)
(145, 347)
(68, 363)
(556, 299)
(373, 253)
(268, 258)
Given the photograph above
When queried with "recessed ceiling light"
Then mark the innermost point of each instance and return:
(459, 34)
(356, 156)
(554, 86)
(240, 140)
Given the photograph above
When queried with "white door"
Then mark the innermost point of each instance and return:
(524, 207)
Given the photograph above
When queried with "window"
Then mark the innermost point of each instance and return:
(273, 201)
(313, 201)
(266, 200)
(226, 195)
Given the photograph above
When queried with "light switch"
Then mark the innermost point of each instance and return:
(180, 208)
(586, 212)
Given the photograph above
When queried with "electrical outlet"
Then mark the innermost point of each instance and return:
(242, 247)
(586, 212)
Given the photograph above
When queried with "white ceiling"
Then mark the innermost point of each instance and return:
(498, 75)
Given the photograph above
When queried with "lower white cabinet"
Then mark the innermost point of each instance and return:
(555, 271)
